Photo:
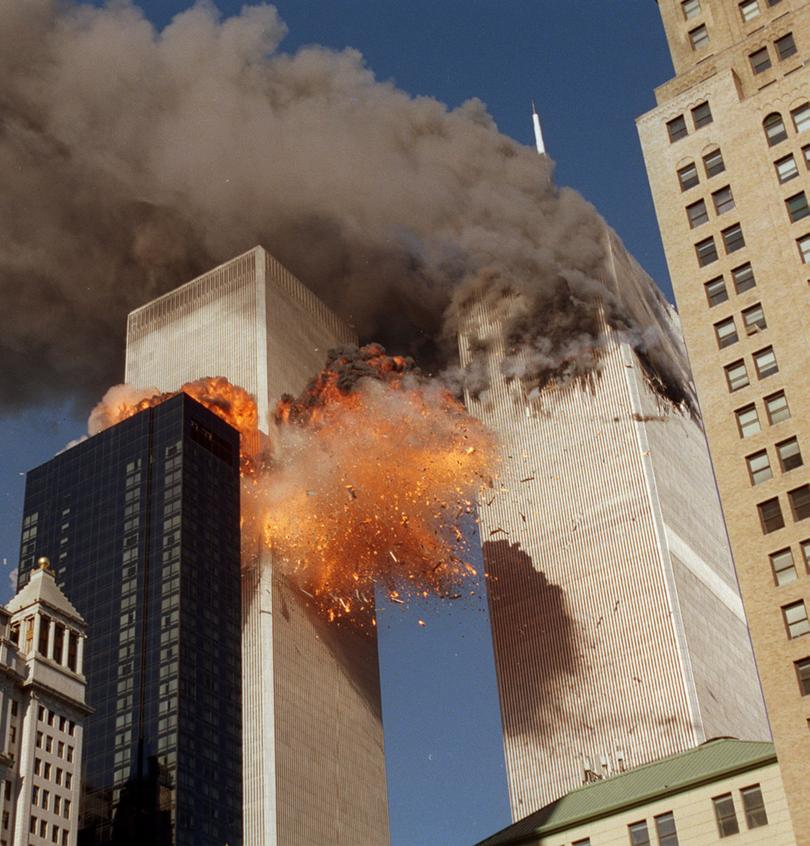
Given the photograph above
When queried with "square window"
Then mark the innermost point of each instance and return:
(774, 128)
(688, 176)
(749, 9)
(698, 38)
(726, 333)
(723, 200)
(725, 815)
(702, 115)
(754, 806)
(797, 624)
(638, 831)
(765, 363)
(759, 467)
(665, 829)
(804, 248)
(733, 238)
(786, 168)
(801, 117)
(677, 128)
(716, 291)
(736, 375)
(754, 319)
(748, 421)
(760, 60)
(743, 277)
(697, 214)
(713, 163)
(690, 8)
(784, 569)
(799, 499)
(797, 207)
(707, 251)
(785, 46)
(803, 675)
(770, 515)
(790, 456)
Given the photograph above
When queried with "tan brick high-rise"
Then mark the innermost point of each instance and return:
(728, 155)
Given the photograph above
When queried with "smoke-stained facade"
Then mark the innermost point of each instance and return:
(141, 523)
(314, 768)
(618, 629)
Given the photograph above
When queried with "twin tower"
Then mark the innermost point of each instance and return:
(618, 629)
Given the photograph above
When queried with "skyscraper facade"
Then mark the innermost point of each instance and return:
(606, 556)
(727, 150)
(314, 766)
(141, 523)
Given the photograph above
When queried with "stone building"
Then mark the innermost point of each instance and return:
(727, 150)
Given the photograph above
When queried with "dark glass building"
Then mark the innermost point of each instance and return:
(141, 524)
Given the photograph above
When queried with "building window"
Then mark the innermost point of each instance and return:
(754, 319)
(736, 375)
(790, 456)
(799, 499)
(797, 624)
(806, 554)
(690, 8)
(801, 117)
(749, 9)
(803, 674)
(702, 115)
(713, 163)
(777, 407)
(770, 515)
(586, 841)
(785, 47)
(665, 829)
(723, 200)
(759, 467)
(748, 421)
(804, 248)
(677, 128)
(725, 815)
(698, 38)
(743, 277)
(733, 238)
(716, 291)
(726, 333)
(707, 251)
(783, 566)
(797, 207)
(638, 831)
(760, 60)
(765, 363)
(697, 214)
(774, 128)
(688, 176)
(806, 154)
(786, 168)
(754, 806)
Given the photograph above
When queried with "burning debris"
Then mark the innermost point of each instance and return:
(371, 476)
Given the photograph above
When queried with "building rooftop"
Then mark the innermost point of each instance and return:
(715, 759)
(43, 588)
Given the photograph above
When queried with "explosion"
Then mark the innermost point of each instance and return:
(370, 480)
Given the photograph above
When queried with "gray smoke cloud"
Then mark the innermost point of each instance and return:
(134, 159)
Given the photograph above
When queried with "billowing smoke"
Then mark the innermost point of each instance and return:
(133, 159)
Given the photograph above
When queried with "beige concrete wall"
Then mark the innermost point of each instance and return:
(694, 816)
(739, 101)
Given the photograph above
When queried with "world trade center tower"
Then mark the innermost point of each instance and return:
(313, 762)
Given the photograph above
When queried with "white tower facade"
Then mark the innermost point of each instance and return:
(618, 631)
(313, 759)
(42, 710)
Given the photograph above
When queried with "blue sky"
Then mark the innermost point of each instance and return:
(591, 67)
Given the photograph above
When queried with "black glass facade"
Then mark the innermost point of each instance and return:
(141, 524)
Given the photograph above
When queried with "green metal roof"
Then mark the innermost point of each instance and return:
(709, 762)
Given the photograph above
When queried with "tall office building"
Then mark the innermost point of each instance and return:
(314, 768)
(606, 555)
(141, 523)
(42, 714)
(727, 150)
